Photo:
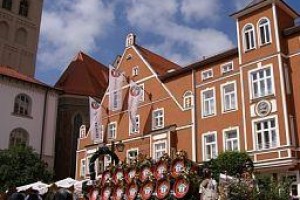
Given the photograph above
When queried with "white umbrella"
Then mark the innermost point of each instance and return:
(41, 187)
(65, 183)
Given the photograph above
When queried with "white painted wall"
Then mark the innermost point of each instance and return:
(9, 89)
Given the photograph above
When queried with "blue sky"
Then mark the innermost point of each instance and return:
(181, 30)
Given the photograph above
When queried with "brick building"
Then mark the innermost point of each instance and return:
(243, 99)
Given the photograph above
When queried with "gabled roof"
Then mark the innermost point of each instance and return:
(158, 63)
(84, 76)
(14, 74)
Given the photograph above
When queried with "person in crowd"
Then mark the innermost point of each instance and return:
(208, 187)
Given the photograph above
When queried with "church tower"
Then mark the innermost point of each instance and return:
(19, 33)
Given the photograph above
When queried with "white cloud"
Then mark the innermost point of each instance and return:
(69, 26)
(161, 21)
(240, 4)
(200, 9)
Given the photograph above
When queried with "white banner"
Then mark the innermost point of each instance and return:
(135, 95)
(95, 121)
(115, 89)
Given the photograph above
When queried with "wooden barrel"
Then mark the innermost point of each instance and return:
(145, 173)
(130, 174)
(161, 167)
(132, 190)
(182, 188)
(107, 191)
(163, 188)
(147, 189)
(177, 167)
(118, 192)
(118, 175)
(105, 176)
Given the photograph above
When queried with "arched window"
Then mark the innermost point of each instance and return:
(21, 36)
(187, 100)
(22, 105)
(24, 6)
(4, 30)
(249, 38)
(264, 31)
(7, 4)
(18, 136)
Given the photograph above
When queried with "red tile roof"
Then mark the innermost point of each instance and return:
(14, 74)
(84, 76)
(159, 64)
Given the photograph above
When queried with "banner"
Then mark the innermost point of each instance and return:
(135, 95)
(95, 121)
(115, 89)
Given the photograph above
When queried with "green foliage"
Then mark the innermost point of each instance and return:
(229, 161)
(19, 166)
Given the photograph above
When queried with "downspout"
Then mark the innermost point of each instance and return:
(44, 121)
(194, 121)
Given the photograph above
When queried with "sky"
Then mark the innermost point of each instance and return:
(180, 30)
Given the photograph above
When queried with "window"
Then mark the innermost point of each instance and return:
(160, 148)
(262, 82)
(21, 36)
(265, 132)
(132, 154)
(107, 161)
(4, 30)
(187, 100)
(24, 6)
(249, 39)
(264, 31)
(208, 102)
(229, 96)
(22, 105)
(7, 4)
(158, 119)
(135, 129)
(231, 140)
(18, 136)
(135, 71)
(112, 130)
(210, 145)
(207, 74)
(82, 131)
(82, 167)
(227, 67)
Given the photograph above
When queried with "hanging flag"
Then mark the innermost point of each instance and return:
(115, 89)
(95, 121)
(135, 95)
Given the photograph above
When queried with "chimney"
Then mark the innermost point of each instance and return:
(130, 40)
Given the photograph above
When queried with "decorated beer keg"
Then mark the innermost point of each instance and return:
(132, 190)
(107, 190)
(145, 173)
(130, 174)
(147, 189)
(119, 190)
(177, 167)
(161, 167)
(182, 188)
(94, 193)
(118, 175)
(106, 175)
(163, 188)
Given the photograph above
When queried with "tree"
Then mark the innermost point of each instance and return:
(20, 165)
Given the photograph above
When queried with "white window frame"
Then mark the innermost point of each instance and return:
(109, 128)
(266, 26)
(83, 168)
(135, 71)
(226, 65)
(187, 95)
(130, 150)
(131, 132)
(251, 89)
(204, 145)
(154, 126)
(204, 77)
(223, 102)
(154, 149)
(254, 133)
(214, 113)
(88, 158)
(225, 131)
(244, 37)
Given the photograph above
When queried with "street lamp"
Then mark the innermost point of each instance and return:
(119, 146)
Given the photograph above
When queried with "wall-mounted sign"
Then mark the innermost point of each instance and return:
(263, 108)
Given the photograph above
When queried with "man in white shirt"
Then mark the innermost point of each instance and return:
(208, 187)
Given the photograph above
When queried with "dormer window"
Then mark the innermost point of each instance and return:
(135, 71)
(227, 67)
(207, 74)
(24, 6)
(249, 39)
(7, 4)
(264, 31)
